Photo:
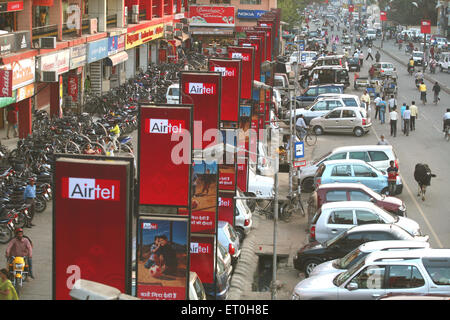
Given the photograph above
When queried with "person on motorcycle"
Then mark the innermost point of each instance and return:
(446, 119)
(115, 131)
(410, 64)
(301, 126)
(423, 92)
(20, 246)
(419, 77)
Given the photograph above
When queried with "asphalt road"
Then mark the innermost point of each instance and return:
(426, 144)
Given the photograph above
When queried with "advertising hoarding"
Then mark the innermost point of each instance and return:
(269, 40)
(6, 83)
(202, 89)
(263, 36)
(91, 213)
(164, 167)
(245, 115)
(202, 257)
(143, 34)
(162, 271)
(231, 86)
(226, 207)
(256, 43)
(211, 16)
(246, 54)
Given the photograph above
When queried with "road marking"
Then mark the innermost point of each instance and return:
(417, 204)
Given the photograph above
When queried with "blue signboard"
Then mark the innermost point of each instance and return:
(112, 45)
(299, 149)
(250, 14)
(97, 50)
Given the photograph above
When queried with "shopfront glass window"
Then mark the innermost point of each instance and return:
(250, 1)
(40, 16)
(8, 21)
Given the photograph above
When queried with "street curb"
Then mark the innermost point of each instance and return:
(443, 87)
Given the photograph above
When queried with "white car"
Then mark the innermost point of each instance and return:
(173, 94)
(371, 34)
(261, 186)
(303, 58)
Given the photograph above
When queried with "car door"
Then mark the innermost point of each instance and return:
(341, 173)
(316, 110)
(348, 121)
(405, 279)
(339, 220)
(369, 284)
(332, 120)
(365, 175)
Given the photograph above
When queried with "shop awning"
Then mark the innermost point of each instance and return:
(213, 31)
(116, 58)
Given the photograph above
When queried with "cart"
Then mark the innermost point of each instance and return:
(362, 82)
(390, 86)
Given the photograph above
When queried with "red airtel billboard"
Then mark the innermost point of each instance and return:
(203, 90)
(231, 86)
(263, 36)
(425, 26)
(247, 55)
(164, 154)
(383, 16)
(226, 207)
(202, 253)
(91, 212)
(257, 44)
(269, 42)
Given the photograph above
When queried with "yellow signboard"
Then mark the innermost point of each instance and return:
(144, 35)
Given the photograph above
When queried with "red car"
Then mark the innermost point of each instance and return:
(332, 192)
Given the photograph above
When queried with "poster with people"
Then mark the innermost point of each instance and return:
(162, 258)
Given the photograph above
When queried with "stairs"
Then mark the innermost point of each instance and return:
(96, 77)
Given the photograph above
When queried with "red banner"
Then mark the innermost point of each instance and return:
(44, 3)
(231, 85)
(246, 54)
(90, 224)
(6, 82)
(257, 44)
(263, 36)
(268, 34)
(162, 258)
(425, 26)
(218, 16)
(163, 163)
(202, 257)
(226, 207)
(15, 6)
(203, 91)
(383, 16)
(245, 114)
(351, 8)
(73, 87)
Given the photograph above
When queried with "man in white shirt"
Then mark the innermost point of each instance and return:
(446, 119)
(369, 54)
(377, 105)
(393, 115)
(392, 103)
(414, 114)
(406, 119)
(301, 126)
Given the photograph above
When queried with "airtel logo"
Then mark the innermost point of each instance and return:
(164, 126)
(226, 72)
(224, 203)
(91, 189)
(240, 55)
(200, 88)
(149, 226)
(200, 247)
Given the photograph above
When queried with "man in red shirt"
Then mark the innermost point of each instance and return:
(20, 246)
(392, 172)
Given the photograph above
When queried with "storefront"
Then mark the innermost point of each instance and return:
(96, 52)
(75, 77)
(8, 15)
(114, 64)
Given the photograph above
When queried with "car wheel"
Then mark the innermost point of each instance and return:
(241, 234)
(310, 265)
(308, 184)
(358, 132)
(385, 191)
(318, 130)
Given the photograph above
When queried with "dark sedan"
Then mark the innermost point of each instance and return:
(353, 64)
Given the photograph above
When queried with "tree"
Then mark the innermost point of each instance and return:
(289, 11)
(407, 13)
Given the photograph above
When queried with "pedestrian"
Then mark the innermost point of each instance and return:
(377, 105)
(377, 56)
(432, 52)
(365, 98)
(109, 147)
(402, 110)
(87, 84)
(407, 119)
(372, 72)
(382, 141)
(7, 290)
(369, 54)
(414, 114)
(355, 77)
(423, 92)
(392, 103)
(30, 198)
(12, 121)
(382, 110)
(393, 116)
(21, 246)
(436, 90)
(361, 58)
(392, 172)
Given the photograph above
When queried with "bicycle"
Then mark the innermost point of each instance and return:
(290, 206)
(267, 210)
(310, 137)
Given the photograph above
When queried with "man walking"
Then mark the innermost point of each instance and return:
(382, 111)
(377, 56)
(414, 113)
(392, 103)
(393, 115)
(406, 118)
(29, 196)
(377, 105)
(12, 121)
(382, 141)
(402, 110)
(366, 99)
(436, 90)
(392, 172)
(369, 54)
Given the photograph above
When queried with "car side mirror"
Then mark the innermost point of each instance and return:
(352, 286)
(374, 174)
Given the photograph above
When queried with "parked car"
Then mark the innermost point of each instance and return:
(223, 253)
(380, 273)
(349, 100)
(281, 82)
(243, 220)
(173, 94)
(196, 289)
(303, 57)
(353, 64)
(319, 108)
(312, 254)
(229, 239)
(336, 217)
(384, 69)
(220, 290)
(310, 94)
(343, 120)
(354, 171)
(335, 192)
(332, 75)
(261, 186)
(353, 257)
(334, 60)
(444, 62)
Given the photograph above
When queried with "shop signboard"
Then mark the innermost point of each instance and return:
(7, 43)
(136, 37)
(88, 194)
(167, 278)
(164, 166)
(78, 56)
(25, 92)
(23, 72)
(58, 62)
(72, 87)
(250, 14)
(246, 54)
(22, 40)
(6, 83)
(116, 44)
(256, 43)
(211, 16)
(97, 50)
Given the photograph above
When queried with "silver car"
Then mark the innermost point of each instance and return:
(380, 273)
(353, 257)
(336, 217)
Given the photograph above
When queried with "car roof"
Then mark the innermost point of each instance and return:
(370, 147)
(326, 85)
(336, 56)
(407, 254)
(349, 204)
(375, 227)
(345, 161)
(328, 99)
(329, 67)
(392, 244)
(340, 95)
(343, 185)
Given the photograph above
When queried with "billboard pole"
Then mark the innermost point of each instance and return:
(275, 222)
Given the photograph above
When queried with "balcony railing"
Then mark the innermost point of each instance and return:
(46, 31)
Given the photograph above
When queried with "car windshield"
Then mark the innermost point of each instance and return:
(332, 241)
(350, 259)
(387, 216)
(321, 158)
(341, 278)
(174, 91)
(418, 54)
(350, 102)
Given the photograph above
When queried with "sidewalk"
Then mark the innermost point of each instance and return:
(390, 49)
